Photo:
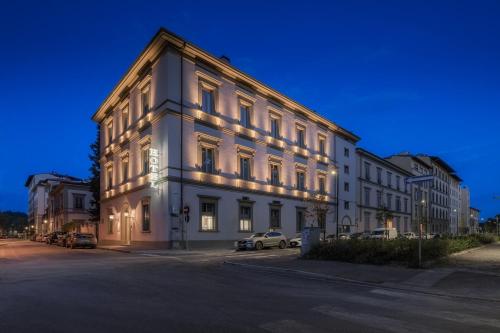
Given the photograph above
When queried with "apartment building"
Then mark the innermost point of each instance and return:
(455, 204)
(474, 220)
(195, 150)
(68, 207)
(39, 186)
(382, 187)
(420, 191)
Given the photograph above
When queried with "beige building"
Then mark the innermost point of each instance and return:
(382, 186)
(194, 149)
(68, 207)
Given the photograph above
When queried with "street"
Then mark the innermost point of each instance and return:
(53, 289)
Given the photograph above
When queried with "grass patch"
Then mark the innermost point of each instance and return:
(398, 251)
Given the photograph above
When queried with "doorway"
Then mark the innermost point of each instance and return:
(125, 225)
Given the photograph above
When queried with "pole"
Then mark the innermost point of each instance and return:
(337, 180)
(420, 227)
(498, 229)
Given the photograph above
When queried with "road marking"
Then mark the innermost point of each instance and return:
(287, 326)
(369, 320)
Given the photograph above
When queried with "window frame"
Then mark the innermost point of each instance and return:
(245, 204)
(204, 200)
(146, 203)
(274, 207)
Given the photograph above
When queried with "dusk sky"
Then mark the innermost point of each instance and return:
(404, 76)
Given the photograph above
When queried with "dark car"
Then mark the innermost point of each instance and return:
(61, 239)
(53, 236)
(81, 240)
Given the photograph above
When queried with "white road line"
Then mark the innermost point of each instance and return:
(369, 320)
(287, 326)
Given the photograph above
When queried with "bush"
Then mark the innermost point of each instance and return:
(399, 251)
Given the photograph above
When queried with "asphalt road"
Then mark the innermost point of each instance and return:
(52, 289)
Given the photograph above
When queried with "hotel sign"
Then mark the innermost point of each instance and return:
(154, 167)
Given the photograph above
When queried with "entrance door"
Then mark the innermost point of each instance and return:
(125, 226)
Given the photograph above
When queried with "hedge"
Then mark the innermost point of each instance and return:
(399, 251)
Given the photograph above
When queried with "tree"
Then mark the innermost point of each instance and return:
(95, 180)
(383, 215)
(317, 210)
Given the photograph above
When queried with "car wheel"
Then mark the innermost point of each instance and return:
(282, 244)
(259, 246)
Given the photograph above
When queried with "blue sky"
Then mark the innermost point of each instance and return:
(420, 76)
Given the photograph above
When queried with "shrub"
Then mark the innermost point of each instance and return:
(400, 251)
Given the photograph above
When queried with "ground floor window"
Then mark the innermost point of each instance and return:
(300, 219)
(322, 220)
(275, 217)
(110, 220)
(208, 214)
(245, 218)
(146, 220)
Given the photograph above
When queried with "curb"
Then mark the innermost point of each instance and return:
(115, 250)
(330, 278)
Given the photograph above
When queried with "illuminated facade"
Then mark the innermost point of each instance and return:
(382, 194)
(194, 149)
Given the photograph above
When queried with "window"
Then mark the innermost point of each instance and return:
(389, 179)
(125, 121)
(367, 171)
(146, 219)
(346, 169)
(367, 196)
(301, 180)
(207, 160)
(379, 175)
(346, 186)
(300, 219)
(346, 152)
(398, 204)
(398, 180)
(346, 205)
(275, 217)
(208, 214)
(275, 174)
(321, 145)
(245, 115)
(146, 100)
(275, 126)
(245, 218)
(145, 161)
(110, 132)
(389, 201)
(322, 219)
(245, 168)
(379, 198)
(125, 169)
(406, 205)
(321, 184)
(208, 100)
(301, 136)
(78, 201)
(109, 177)
(109, 220)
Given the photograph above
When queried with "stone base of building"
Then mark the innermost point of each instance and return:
(162, 245)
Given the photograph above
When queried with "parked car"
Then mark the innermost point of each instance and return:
(39, 237)
(52, 237)
(360, 235)
(344, 236)
(296, 241)
(260, 240)
(61, 239)
(81, 240)
(410, 235)
(384, 233)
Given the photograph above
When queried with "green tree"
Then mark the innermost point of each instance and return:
(95, 179)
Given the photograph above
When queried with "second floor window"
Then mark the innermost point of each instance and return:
(301, 180)
(109, 177)
(346, 169)
(379, 175)
(207, 100)
(346, 186)
(367, 171)
(389, 179)
(379, 198)
(207, 160)
(321, 185)
(145, 161)
(322, 145)
(346, 152)
(367, 196)
(275, 127)
(389, 201)
(125, 170)
(275, 174)
(146, 101)
(245, 168)
(110, 132)
(245, 116)
(78, 201)
(301, 137)
(125, 119)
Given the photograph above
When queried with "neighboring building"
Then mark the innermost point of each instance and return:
(184, 129)
(420, 191)
(474, 220)
(381, 184)
(455, 204)
(38, 191)
(464, 224)
(68, 207)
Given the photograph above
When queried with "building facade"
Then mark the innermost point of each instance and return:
(455, 204)
(195, 150)
(68, 207)
(382, 191)
(39, 186)
(474, 220)
(464, 224)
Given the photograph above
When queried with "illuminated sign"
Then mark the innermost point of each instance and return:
(154, 167)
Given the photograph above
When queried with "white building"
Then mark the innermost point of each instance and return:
(38, 192)
(68, 207)
(186, 131)
(382, 186)
(455, 204)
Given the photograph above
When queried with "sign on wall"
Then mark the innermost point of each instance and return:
(154, 167)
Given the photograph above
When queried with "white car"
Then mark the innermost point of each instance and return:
(260, 240)
(296, 241)
(384, 233)
(410, 235)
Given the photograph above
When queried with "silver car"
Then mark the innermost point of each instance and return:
(260, 240)
(81, 240)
